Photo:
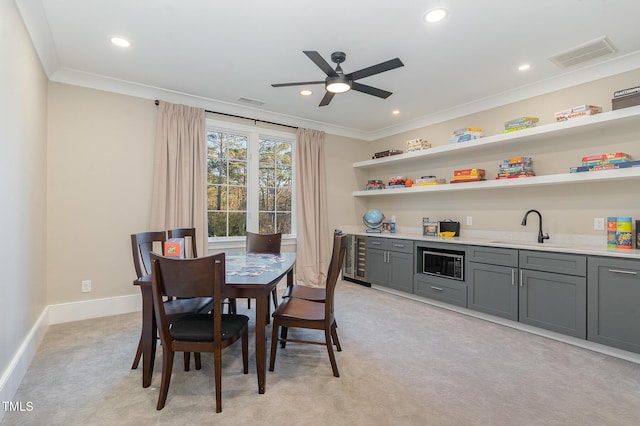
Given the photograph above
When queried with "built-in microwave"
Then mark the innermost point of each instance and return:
(444, 263)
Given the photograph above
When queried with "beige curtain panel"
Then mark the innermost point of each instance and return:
(313, 236)
(180, 174)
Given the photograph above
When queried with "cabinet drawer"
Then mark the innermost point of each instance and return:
(377, 243)
(493, 255)
(442, 289)
(561, 263)
(401, 246)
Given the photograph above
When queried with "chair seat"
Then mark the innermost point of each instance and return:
(191, 305)
(300, 309)
(316, 294)
(199, 327)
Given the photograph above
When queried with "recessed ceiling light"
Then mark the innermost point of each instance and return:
(435, 15)
(524, 67)
(306, 92)
(396, 112)
(121, 42)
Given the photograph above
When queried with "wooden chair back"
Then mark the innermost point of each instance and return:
(335, 266)
(186, 278)
(264, 243)
(189, 235)
(142, 244)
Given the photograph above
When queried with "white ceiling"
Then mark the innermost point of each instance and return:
(211, 53)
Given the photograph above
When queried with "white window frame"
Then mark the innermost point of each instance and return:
(254, 134)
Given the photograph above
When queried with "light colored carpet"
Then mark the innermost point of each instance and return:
(403, 363)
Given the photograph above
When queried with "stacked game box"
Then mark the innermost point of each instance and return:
(417, 145)
(396, 182)
(578, 111)
(429, 181)
(626, 98)
(519, 123)
(468, 175)
(515, 167)
(374, 184)
(465, 134)
(616, 160)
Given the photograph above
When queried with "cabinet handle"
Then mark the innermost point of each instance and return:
(513, 276)
(375, 243)
(437, 288)
(619, 271)
(520, 277)
(399, 245)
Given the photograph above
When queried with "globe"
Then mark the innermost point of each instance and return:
(373, 218)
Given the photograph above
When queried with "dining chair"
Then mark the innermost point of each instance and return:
(189, 236)
(191, 252)
(142, 245)
(306, 314)
(198, 333)
(315, 294)
(264, 243)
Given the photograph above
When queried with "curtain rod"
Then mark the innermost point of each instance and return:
(157, 102)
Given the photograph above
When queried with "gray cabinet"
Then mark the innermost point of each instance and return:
(546, 290)
(614, 302)
(492, 276)
(390, 263)
(553, 292)
(437, 287)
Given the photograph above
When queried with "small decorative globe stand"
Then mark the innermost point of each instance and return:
(373, 219)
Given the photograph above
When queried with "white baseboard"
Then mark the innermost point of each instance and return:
(14, 373)
(55, 314)
(95, 308)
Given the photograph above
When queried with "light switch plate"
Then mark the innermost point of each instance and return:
(598, 223)
(469, 220)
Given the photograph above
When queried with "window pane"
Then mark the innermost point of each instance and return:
(237, 224)
(284, 223)
(267, 175)
(283, 200)
(267, 151)
(267, 199)
(217, 224)
(267, 223)
(237, 172)
(238, 198)
(227, 179)
(217, 197)
(283, 153)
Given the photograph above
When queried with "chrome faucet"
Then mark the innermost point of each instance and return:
(541, 237)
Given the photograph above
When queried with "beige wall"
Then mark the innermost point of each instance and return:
(566, 208)
(23, 115)
(100, 160)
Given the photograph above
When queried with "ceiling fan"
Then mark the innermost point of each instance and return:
(339, 82)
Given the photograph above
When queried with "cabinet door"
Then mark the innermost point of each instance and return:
(614, 302)
(493, 289)
(377, 267)
(555, 302)
(401, 271)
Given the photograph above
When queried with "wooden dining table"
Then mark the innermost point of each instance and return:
(248, 275)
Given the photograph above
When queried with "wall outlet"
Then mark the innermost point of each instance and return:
(86, 286)
(598, 223)
(469, 220)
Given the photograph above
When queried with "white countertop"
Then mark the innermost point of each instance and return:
(585, 245)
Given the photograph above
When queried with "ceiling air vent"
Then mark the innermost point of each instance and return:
(583, 53)
(251, 101)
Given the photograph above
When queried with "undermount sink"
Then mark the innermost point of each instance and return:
(528, 243)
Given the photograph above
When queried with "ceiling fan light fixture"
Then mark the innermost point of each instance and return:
(338, 84)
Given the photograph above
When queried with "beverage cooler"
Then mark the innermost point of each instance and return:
(355, 260)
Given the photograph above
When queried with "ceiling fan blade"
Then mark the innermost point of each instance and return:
(326, 99)
(375, 69)
(370, 90)
(320, 62)
(302, 83)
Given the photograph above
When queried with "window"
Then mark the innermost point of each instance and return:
(250, 180)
